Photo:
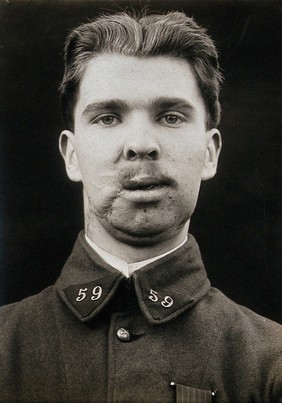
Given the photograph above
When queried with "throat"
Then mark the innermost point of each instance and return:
(132, 249)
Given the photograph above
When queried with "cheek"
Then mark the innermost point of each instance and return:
(101, 192)
(187, 148)
(188, 173)
(100, 182)
(188, 169)
(97, 168)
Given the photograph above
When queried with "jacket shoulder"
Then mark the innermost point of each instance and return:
(240, 319)
(28, 310)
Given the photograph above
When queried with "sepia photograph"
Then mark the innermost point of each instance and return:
(141, 201)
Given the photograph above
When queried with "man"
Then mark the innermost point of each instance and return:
(133, 317)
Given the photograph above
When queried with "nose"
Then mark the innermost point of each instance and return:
(141, 143)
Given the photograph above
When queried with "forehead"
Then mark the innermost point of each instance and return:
(137, 81)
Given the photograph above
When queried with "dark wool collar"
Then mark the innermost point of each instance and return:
(164, 288)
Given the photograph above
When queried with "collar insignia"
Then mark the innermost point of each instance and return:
(164, 288)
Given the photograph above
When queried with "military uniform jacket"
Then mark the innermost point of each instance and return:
(96, 336)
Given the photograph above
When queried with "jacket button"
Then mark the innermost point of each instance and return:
(123, 335)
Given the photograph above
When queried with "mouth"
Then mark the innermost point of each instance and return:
(145, 184)
(145, 190)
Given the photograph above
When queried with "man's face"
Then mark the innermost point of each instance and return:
(140, 146)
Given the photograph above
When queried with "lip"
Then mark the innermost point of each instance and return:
(148, 195)
(145, 189)
(144, 183)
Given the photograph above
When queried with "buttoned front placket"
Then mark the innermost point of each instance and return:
(135, 367)
(126, 338)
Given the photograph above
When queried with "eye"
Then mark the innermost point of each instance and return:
(106, 120)
(171, 119)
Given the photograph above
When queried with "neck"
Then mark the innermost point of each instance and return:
(131, 253)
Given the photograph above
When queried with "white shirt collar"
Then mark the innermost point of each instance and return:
(127, 268)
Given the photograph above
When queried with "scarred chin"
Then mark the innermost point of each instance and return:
(143, 216)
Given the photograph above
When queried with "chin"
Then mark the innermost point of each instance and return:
(139, 239)
(140, 235)
(144, 226)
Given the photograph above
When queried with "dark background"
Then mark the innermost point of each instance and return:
(238, 219)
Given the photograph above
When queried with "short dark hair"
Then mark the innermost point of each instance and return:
(172, 34)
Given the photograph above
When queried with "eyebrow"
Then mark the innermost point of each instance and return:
(119, 105)
(169, 103)
(114, 105)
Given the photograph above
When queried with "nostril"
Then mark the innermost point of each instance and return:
(148, 153)
(153, 154)
(131, 154)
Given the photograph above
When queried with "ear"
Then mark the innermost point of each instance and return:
(67, 150)
(214, 145)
